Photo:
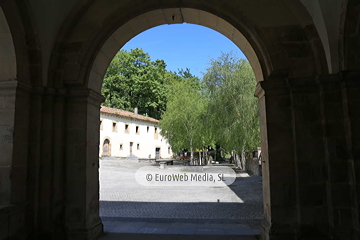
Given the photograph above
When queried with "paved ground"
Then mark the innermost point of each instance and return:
(128, 207)
(122, 196)
(169, 228)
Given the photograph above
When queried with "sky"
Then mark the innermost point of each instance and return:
(183, 46)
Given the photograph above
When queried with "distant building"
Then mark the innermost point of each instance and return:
(124, 134)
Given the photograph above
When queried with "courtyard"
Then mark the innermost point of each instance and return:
(128, 207)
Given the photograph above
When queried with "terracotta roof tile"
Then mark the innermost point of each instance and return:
(126, 114)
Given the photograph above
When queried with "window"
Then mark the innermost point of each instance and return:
(138, 146)
(127, 129)
(137, 129)
(121, 147)
(169, 151)
(114, 127)
(156, 133)
(101, 124)
(147, 129)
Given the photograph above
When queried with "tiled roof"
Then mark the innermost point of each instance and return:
(126, 114)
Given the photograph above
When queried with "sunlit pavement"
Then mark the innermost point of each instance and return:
(126, 207)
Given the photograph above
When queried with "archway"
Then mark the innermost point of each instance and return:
(288, 57)
(276, 65)
(308, 109)
(106, 151)
(19, 118)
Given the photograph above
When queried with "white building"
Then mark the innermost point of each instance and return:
(124, 134)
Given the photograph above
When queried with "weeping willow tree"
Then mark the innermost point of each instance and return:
(229, 83)
(181, 123)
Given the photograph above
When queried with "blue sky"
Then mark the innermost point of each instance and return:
(183, 46)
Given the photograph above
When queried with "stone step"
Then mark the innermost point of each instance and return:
(140, 228)
(144, 236)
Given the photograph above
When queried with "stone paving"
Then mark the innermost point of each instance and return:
(128, 207)
(116, 228)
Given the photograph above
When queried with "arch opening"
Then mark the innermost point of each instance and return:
(168, 16)
(157, 155)
(296, 49)
(280, 59)
(106, 150)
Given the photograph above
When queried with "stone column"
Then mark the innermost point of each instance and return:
(14, 130)
(59, 163)
(310, 145)
(311, 164)
(340, 210)
(350, 84)
(278, 166)
(46, 163)
(7, 121)
(82, 164)
(33, 172)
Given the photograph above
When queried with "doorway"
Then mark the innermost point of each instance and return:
(131, 148)
(157, 153)
(106, 148)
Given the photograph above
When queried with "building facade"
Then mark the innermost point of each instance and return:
(126, 134)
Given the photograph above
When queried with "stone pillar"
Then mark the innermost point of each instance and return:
(33, 178)
(46, 164)
(21, 143)
(309, 141)
(82, 164)
(7, 120)
(350, 85)
(59, 147)
(14, 129)
(278, 166)
(311, 164)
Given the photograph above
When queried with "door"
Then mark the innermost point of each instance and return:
(131, 146)
(157, 152)
(106, 147)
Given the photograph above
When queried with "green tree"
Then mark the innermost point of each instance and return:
(230, 84)
(133, 80)
(181, 123)
(188, 78)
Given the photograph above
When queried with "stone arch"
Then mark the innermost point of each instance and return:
(8, 69)
(26, 46)
(309, 123)
(90, 44)
(284, 49)
(151, 19)
(106, 147)
(17, 73)
(19, 80)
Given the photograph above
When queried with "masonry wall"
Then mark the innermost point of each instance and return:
(146, 138)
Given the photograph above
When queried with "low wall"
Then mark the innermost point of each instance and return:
(252, 166)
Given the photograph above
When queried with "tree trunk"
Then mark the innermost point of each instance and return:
(243, 157)
(191, 153)
(237, 161)
(206, 161)
(232, 158)
(191, 156)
